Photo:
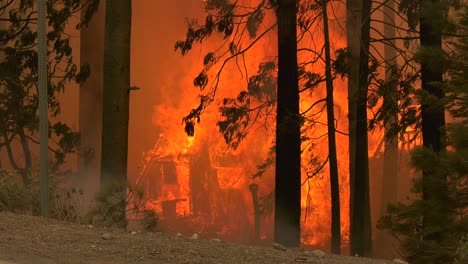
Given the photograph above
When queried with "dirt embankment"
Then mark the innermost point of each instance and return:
(34, 240)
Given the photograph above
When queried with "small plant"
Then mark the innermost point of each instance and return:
(150, 219)
(461, 255)
(14, 196)
(117, 201)
(68, 205)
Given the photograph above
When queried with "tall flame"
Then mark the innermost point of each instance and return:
(198, 184)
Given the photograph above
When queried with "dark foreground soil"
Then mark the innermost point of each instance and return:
(34, 240)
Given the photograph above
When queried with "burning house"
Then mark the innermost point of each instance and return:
(198, 191)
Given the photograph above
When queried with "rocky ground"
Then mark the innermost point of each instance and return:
(34, 240)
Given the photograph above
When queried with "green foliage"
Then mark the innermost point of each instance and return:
(449, 205)
(396, 98)
(461, 255)
(430, 9)
(443, 239)
(457, 89)
(19, 119)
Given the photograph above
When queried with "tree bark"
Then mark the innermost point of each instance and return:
(390, 157)
(288, 134)
(390, 164)
(116, 93)
(91, 50)
(333, 162)
(353, 36)
(361, 235)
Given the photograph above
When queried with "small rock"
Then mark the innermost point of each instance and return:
(191, 251)
(279, 247)
(399, 261)
(216, 240)
(97, 220)
(179, 235)
(133, 232)
(318, 253)
(106, 236)
(301, 259)
(90, 226)
(195, 236)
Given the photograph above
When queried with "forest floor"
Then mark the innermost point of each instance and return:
(34, 240)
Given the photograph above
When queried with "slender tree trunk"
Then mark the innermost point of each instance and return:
(91, 50)
(390, 157)
(433, 116)
(353, 35)
(116, 93)
(390, 165)
(26, 170)
(288, 134)
(332, 160)
(361, 235)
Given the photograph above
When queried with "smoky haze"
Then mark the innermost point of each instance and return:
(167, 94)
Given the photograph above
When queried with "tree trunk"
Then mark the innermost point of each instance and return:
(361, 238)
(433, 116)
(116, 93)
(390, 158)
(26, 170)
(353, 36)
(288, 134)
(390, 165)
(332, 159)
(91, 50)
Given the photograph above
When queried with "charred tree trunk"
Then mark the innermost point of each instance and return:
(432, 115)
(288, 131)
(116, 94)
(361, 239)
(332, 159)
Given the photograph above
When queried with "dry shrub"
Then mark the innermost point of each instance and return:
(15, 197)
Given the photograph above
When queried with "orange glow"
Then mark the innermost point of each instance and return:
(206, 169)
